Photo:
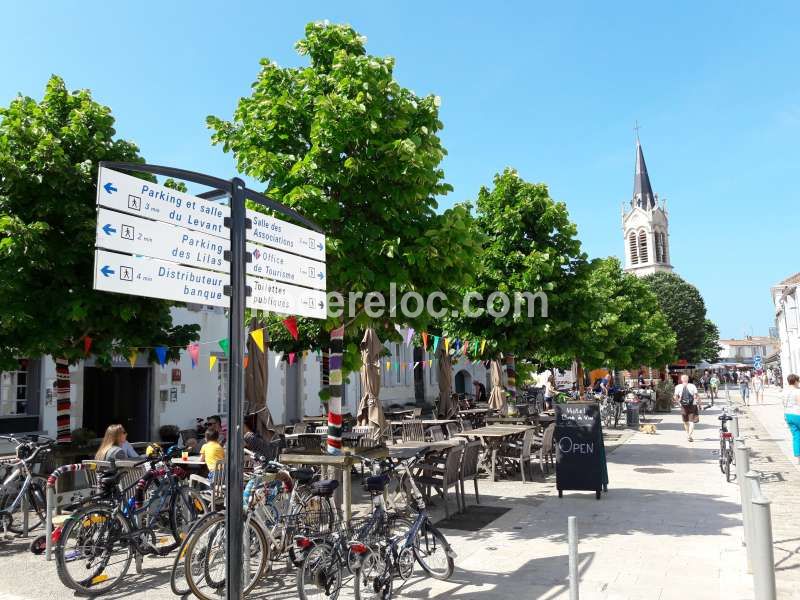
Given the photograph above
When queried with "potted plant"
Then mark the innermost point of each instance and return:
(169, 434)
(664, 392)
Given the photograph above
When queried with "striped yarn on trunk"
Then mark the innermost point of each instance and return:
(335, 387)
(63, 405)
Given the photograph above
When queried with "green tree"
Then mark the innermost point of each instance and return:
(685, 310)
(711, 348)
(341, 141)
(49, 154)
(529, 246)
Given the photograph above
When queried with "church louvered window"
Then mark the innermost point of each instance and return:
(643, 247)
(664, 258)
(634, 251)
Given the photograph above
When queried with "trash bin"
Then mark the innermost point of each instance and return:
(632, 414)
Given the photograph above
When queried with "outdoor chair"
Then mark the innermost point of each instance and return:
(417, 413)
(452, 430)
(412, 431)
(519, 453)
(469, 468)
(187, 434)
(547, 449)
(323, 429)
(310, 442)
(435, 433)
(300, 428)
(441, 472)
(466, 425)
(523, 410)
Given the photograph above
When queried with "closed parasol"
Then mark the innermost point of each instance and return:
(370, 411)
(256, 377)
(497, 397)
(448, 408)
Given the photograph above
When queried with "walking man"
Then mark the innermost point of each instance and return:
(714, 383)
(686, 394)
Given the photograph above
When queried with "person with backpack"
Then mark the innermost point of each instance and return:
(686, 395)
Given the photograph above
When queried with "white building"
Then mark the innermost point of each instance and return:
(743, 351)
(146, 396)
(785, 296)
(645, 226)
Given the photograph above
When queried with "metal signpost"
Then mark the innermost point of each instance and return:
(157, 242)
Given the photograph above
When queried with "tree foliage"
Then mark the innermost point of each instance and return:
(529, 245)
(341, 141)
(711, 348)
(49, 154)
(685, 310)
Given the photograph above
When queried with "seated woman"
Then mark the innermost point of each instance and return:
(212, 452)
(113, 444)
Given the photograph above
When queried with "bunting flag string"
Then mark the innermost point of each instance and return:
(409, 335)
(258, 338)
(291, 326)
(194, 353)
(225, 345)
(161, 354)
(335, 387)
(425, 340)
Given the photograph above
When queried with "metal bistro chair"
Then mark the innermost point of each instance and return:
(452, 429)
(469, 468)
(547, 449)
(442, 473)
(300, 427)
(412, 431)
(466, 425)
(322, 429)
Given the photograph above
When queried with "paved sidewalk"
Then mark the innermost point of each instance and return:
(668, 528)
(770, 442)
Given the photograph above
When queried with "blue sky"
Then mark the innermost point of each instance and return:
(550, 90)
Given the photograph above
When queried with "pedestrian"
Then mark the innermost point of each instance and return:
(735, 377)
(758, 387)
(686, 395)
(791, 412)
(549, 391)
(640, 379)
(744, 386)
(713, 384)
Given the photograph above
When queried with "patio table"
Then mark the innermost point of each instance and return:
(493, 436)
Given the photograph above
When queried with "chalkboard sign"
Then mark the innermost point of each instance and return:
(580, 453)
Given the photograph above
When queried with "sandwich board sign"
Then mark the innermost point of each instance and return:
(580, 453)
(161, 243)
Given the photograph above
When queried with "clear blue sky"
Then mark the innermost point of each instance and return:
(551, 90)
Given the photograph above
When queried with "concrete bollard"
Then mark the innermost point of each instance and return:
(572, 536)
(763, 555)
(743, 466)
(734, 426)
(749, 478)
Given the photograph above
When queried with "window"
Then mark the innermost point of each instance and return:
(664, 247)
(634, 251)
(222, 385)
(14, 390)
(643, 247)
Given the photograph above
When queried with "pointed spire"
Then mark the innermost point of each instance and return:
(642, 190)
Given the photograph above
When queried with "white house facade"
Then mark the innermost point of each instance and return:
(785, 296)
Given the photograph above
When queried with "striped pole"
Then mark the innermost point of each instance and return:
(335, 386)
(63, 405)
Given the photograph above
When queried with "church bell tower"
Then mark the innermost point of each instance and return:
(645, 225)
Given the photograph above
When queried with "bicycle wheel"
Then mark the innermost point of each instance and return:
(320, 576)
(722, 454)
(206, 557)
(727, 468)
(37, 506)
(185, 507)
(373, 579)
(94, 551)
(177, 580)
(321, 517)
(433, 552)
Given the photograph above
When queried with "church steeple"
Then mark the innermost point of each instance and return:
(642, 190)
(646, 225)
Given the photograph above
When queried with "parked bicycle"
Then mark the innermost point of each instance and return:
(23, 493)
(726, 453)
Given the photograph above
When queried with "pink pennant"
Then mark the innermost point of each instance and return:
(194, 353)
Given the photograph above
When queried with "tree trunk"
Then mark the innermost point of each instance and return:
(63, 404)
(581, 387)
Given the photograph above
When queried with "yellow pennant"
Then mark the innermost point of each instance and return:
(132, 357)
(388, 366)
(446, 345)
(212, 360)
(258, 338)
(483, 345)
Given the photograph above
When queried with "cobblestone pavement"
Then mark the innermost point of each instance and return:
(668, 528)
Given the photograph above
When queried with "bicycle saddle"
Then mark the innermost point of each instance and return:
(324, 487)
(376, 483)
(302, 475)
(725, 418)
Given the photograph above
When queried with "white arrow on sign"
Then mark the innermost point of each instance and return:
(145, 199)
(140, 276)
(133, 235)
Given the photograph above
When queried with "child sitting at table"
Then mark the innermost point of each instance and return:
(212, 452)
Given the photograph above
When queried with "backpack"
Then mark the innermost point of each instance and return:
(686, 396)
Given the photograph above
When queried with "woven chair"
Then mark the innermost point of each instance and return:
(412, 431)
(469, 468)
(547, 450)
(519, 453)
(442, 472)
(452, 429)
(435, 433)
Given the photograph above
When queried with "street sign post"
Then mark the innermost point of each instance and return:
(157, 242)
